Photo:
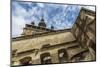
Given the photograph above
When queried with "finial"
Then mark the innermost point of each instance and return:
(42, 18)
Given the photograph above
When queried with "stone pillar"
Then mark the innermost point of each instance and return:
(36, 59)
(54, 55)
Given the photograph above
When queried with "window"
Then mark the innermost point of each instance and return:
(26, 61)
(45, 58)
(62, 54)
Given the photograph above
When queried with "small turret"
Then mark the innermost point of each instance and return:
(32, 23)
(42, 23)
(52, 27)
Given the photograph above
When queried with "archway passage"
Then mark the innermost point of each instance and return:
(25, 61)
(63, 56)
(45, 58)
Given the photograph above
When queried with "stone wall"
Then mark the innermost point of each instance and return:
(53, 52)
(28, 47)
(84, 30)
(38, 42)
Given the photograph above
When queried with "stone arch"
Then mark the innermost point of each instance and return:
(80, 56)
(45, 58)
(26, 60)
(62, 55)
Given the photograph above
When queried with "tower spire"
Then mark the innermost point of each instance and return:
(42, 22)
(42, 19)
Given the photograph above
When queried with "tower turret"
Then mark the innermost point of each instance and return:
(42, 23)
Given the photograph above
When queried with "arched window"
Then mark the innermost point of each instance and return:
(45, 58)
(25, 61)
(63, 56)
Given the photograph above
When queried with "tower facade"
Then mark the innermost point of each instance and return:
(32, 29)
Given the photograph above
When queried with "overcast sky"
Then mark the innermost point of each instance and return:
(61, 16)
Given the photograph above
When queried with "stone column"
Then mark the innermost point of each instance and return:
(54, 56)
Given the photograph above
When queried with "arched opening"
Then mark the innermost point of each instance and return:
(45, 58)
(80, 56)
(62, 55)
(26, 61)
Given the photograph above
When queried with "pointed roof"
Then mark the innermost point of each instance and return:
(42, 23)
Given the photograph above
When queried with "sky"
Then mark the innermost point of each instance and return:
(61, 16)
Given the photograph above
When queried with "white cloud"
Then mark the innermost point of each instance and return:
(20, 16)
(90, 7)
(18, 20)
(17, 25)
(40, 5)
